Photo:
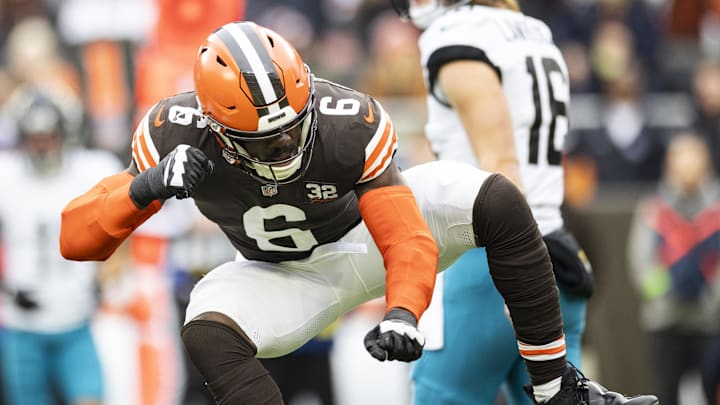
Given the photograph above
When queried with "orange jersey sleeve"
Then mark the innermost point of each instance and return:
(96, 223)
(408, 248)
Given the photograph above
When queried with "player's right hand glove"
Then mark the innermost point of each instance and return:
(177, 174)
(396, 337)
(24, 300)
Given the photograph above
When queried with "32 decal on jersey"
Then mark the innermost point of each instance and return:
(318, 192)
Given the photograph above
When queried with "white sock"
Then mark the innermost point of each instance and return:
(544, 392)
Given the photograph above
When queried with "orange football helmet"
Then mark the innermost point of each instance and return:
(253, 87)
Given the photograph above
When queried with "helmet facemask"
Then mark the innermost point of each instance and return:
(262, 151)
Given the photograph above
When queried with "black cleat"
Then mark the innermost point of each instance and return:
(575, 389)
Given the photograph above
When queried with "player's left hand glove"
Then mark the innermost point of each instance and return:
(177, 174)
(396, 337)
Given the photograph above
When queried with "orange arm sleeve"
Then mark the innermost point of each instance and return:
(408, 248)
(96, 223)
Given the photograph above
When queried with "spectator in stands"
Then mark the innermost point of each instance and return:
(674, 254)
(624, 147)
(706, 90)
(641, 22)
(33, 54)
(696, 22)
(560, 15)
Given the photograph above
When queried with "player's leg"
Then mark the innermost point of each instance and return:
(24, 368)
(520, 268)
(446, 193)
(77, 367)
(478, 342)
(246, 309)
(573, 310)
(453, 195)
(225, 356)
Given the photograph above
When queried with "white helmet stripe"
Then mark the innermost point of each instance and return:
(265, 57)
(256, 64)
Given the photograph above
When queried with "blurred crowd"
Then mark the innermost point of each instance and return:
(642, 72)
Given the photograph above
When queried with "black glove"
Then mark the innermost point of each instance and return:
(396, 337)
(178, 174)
(24, 300)
(570, 265)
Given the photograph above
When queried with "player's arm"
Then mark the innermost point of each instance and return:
(94, 224)
(410, 254)
(393, 218)
(391, 214)
(474, 90)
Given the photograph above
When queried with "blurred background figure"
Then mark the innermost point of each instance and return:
(48, 303)
(625, 146)
(33, 54)
(101, 36)
(694, 24)
(706, 93)
(138, 326)
(165, 59)
(674, 253)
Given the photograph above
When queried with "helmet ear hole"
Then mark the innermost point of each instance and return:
(220, 61)
(272, 43)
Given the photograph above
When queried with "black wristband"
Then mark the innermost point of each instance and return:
(401, 314)
(140, 192)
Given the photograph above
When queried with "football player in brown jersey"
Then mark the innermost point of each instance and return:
(298, 172)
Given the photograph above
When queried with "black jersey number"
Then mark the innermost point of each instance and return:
(557, 108)
(282, 240)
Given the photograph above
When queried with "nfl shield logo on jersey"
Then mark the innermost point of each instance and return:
(269, 190)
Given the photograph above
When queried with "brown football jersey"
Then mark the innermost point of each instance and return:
(354, 143)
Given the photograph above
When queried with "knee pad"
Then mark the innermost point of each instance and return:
(226, 359)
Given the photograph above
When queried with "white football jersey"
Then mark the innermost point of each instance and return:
(535, 83)
(30, 211)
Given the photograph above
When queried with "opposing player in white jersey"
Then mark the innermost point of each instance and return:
(497, 99)
(48, 301)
